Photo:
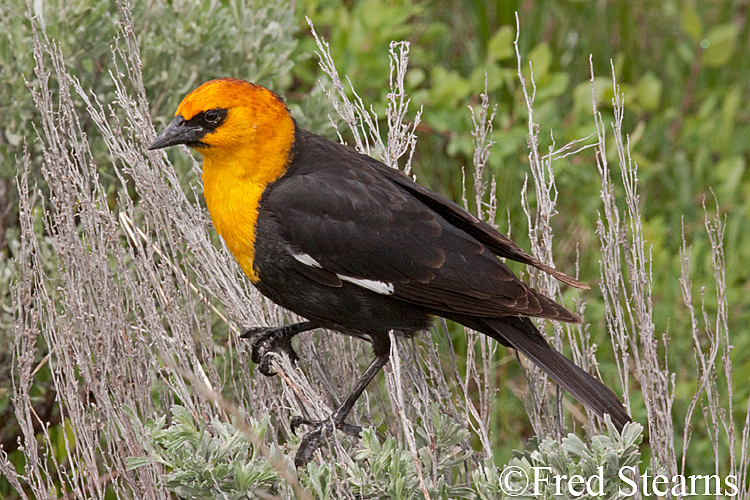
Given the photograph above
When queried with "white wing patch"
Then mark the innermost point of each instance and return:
(307, 260)
(380, 287)
(376, 286)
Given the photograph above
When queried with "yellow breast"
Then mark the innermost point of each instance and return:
(233, 205)
(250, 150)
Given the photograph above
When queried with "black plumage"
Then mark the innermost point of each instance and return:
(337, 216)
(355, 246)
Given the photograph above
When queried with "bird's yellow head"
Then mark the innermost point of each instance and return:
(245, 134)
(232, 121)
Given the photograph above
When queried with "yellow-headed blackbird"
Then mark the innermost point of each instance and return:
(356, 246)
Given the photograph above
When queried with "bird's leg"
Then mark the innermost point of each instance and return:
(265, 340)
(324, 428)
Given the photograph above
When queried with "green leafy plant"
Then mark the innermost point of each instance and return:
(99, 317)
(205, 460)
(603, 459)
(388, 469)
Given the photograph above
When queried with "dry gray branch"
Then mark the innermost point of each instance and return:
(148, 310)
(546, 418)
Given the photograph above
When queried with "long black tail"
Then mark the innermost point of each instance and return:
(521, 334)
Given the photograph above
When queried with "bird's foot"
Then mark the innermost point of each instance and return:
(264, 341)
(322, 429)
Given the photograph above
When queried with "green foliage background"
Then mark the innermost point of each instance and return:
(682, 65)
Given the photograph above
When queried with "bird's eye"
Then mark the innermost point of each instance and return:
(212, 116)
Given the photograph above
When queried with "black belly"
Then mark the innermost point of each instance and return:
(349, 308)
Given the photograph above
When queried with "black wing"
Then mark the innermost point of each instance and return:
(498, 243)
(353, 221)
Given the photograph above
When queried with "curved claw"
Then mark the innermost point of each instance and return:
(312, 440)
(307, 447)
(265, 340)
(297, 421)
(320, 432)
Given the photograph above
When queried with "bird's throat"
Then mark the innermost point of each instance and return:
(233, 188)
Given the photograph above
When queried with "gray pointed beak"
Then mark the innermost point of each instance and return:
(178, 132)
